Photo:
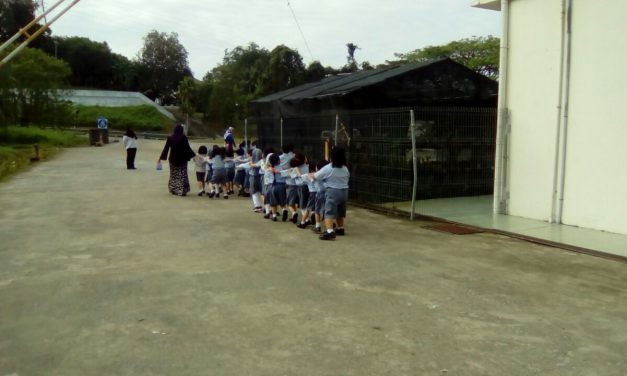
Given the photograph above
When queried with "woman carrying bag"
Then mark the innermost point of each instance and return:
(180, 153)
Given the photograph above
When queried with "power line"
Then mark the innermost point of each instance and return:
(299, 29)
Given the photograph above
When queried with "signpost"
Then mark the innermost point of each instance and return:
(103, 122)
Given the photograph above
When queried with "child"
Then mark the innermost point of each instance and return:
(229, 165)
(300, 166)
(335, 178)
(284, 165)
(320, 198)
(218, 179)
(310, 206)
(276, 194)
(240, 173)
(200, 166)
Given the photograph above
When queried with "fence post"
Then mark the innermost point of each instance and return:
(280, 146)
(337, 122)
(412, 128)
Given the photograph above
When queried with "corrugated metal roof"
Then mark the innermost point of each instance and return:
(343, 84)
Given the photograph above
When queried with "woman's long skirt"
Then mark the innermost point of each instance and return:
(179, 181)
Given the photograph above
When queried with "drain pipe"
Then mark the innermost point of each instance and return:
(500, 158)
(566, 65)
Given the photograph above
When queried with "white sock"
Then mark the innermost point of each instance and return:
(267, 208)
(330, 230)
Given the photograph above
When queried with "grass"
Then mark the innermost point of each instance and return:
(17, 146)
(138, 118)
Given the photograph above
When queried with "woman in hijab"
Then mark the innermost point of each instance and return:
(129, 140)
(180, 153)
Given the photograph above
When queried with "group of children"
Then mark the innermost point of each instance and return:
(281, 185)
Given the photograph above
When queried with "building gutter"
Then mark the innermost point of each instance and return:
(559, 180)
(502, 123)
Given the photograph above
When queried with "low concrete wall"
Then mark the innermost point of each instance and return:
(110, 98)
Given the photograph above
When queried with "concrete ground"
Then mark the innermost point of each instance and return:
(103, 272)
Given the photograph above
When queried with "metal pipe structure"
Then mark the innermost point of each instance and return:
(24, 30)
(31, 37)
(412, 128)
(566, 65)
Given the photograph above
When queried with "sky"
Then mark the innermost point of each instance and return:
(206, 28)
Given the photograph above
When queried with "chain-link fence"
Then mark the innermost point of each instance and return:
(454, 150)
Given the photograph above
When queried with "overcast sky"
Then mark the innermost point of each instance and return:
(207, 27)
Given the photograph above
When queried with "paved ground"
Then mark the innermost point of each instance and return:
(102, 272)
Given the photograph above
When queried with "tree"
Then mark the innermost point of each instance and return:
(165, 62)
(29, 89)
(235, 82)
(92, 62)
(285, 70)
(15, 14)
(314, 72)
(186, 97)
(480, 54)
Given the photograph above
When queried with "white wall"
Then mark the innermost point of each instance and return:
(596, 178)
(533, 90)
(596, 174)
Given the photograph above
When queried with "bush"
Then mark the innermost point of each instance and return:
(16, 147)
(142, 118)
(33, 135)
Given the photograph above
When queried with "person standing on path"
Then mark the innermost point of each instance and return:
(129, 140)
(229, 139)
(179, 154)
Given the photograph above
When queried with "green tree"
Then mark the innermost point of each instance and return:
(235, 82)
(315, 71)
(186, 96)
(29, 89)
(14, 15)
(164, 63)
(480, 54)
(92, 62)
(285, 70)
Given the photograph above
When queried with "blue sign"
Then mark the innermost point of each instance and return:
(103, 122)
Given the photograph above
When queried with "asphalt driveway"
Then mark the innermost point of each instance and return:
(103, 272)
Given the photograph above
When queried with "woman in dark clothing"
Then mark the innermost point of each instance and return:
(180, 154)
(129, 140)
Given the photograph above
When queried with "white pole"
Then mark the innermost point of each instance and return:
(500, 162)
(281, 133)
(412, 127)
(566, 67)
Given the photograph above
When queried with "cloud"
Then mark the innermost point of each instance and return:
(206, 28)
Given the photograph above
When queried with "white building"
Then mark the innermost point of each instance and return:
(562, 133)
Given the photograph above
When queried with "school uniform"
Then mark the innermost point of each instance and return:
(200, 167)
(254, 178)
(335, 181)
(302, 190)
(229, 165)
(219, 171)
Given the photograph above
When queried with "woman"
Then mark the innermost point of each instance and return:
(180, 153)
(334, 177)
(129, 140)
